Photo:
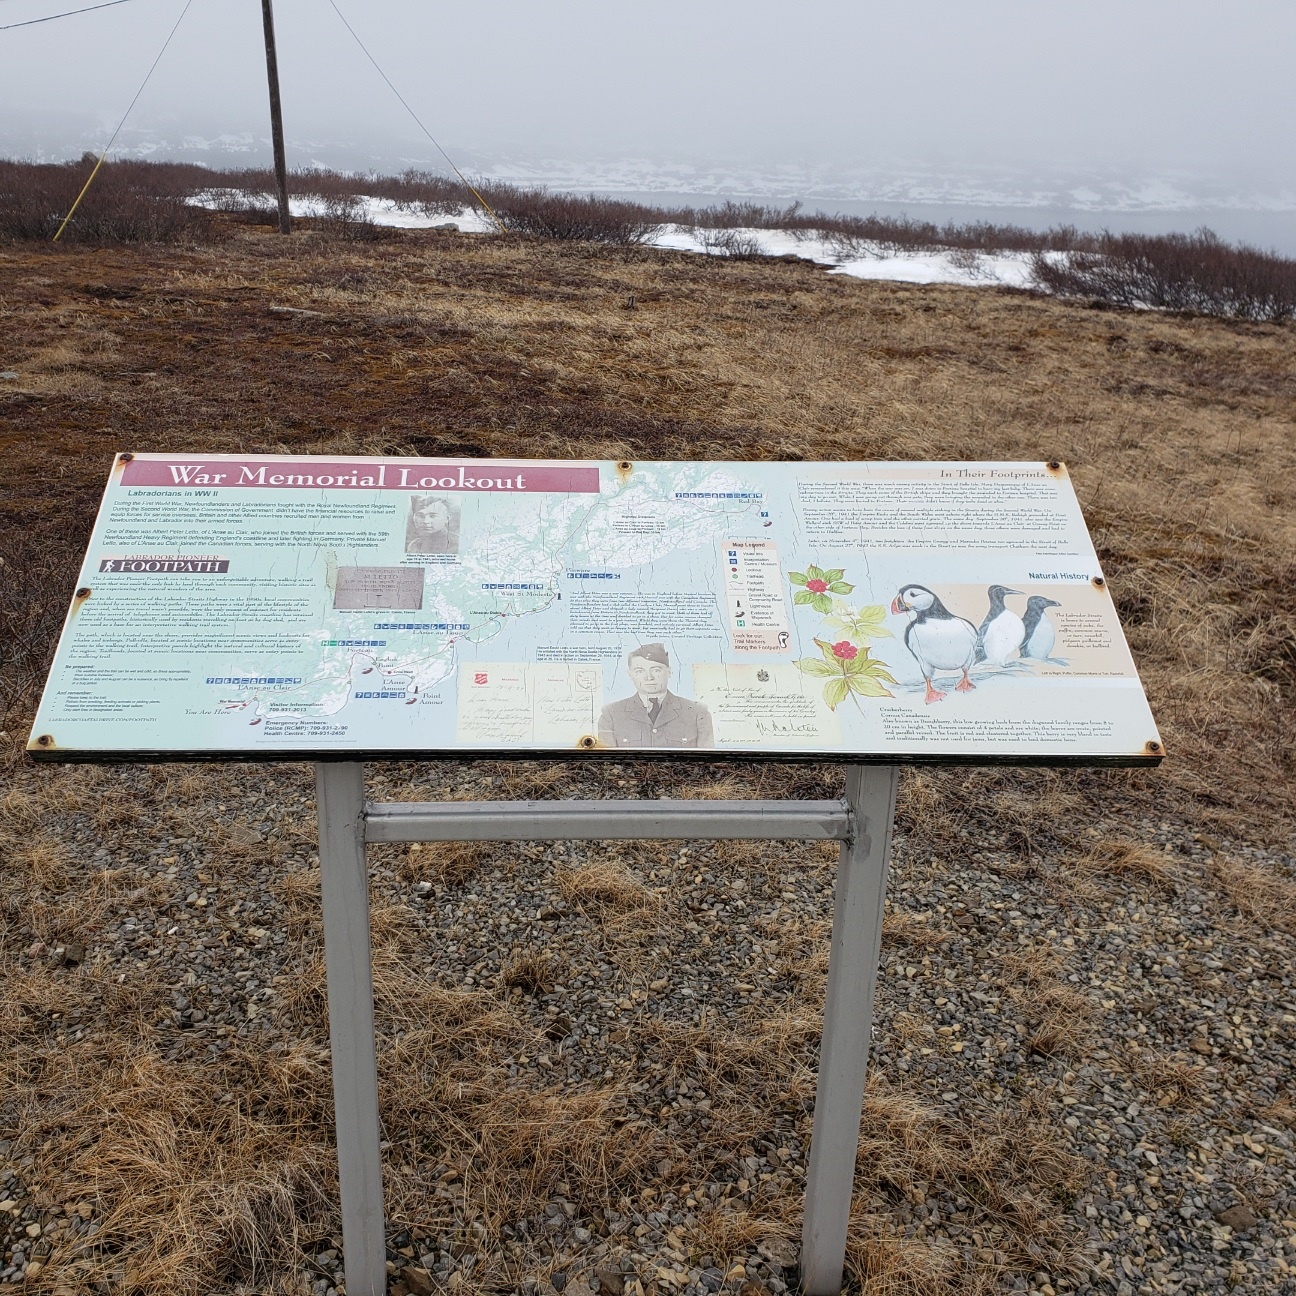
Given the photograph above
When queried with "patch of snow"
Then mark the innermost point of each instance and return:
(861, 260)
(381, 211)
(1009, 269)
(858, 259)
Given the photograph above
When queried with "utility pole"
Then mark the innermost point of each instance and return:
(276, 117)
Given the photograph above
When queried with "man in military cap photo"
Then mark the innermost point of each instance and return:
(654, 716)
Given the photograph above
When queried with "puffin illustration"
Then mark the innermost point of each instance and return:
(1002, 632)
(1040, 634)
(938, 639)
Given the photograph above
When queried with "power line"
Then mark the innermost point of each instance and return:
(467, 185)
(122, 123)
(31, 22)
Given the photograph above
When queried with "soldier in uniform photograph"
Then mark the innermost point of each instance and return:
(432, 526)
(653, 716)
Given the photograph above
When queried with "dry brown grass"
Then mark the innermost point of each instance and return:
(1257, 892)
(450, 862)
(1128, 861)
(901, 927)
(1059, 1019)
(1175, 1081)
(1175, 429)
(529, 972)
(605, 887)
(195, 1171)
(1177, 432)
(1007, 1169)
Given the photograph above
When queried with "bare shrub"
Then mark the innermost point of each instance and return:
(152, 201)
(969, 260)
(1188, 272)
(587, 219)
(855, 237)
(411, 190)
(252, 206)
(129, 202)
(740, 244)
(344, 217)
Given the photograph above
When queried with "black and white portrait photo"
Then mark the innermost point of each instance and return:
(653, 716)
(433, 525)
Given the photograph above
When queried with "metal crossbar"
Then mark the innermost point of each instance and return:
(861, 821)
(422, 821)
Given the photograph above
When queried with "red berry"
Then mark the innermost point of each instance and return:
(817, 586)
(845, 650)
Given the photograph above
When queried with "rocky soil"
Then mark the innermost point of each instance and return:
(1080, 1077)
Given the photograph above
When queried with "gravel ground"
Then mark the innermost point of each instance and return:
(1122, 992)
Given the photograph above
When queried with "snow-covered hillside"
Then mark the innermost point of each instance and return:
(857, 258)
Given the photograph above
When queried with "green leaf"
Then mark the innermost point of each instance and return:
(813, 666)
(797, 578)
(813, 573)
(821, 603)
(866, 686)
(871, 622)
(855, 666)
(840, 586)
(804, 596)
(826, 648)
(859, 623)
(876, 670)
(834, 574)
(835, 692)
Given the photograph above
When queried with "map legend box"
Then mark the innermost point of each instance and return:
(758, 619)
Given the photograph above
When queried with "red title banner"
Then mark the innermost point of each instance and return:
(324, 474)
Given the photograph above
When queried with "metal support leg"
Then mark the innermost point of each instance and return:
(344, 884)
(848, 1019)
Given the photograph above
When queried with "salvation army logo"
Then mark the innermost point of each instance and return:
(479, 677)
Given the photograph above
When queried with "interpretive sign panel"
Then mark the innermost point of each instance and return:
(268, 607)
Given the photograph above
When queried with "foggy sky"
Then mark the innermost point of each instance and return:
(1131, 87)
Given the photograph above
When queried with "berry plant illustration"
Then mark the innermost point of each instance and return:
(844, 663)
(818, 586)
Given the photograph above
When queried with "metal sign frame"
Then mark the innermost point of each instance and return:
(861, 820)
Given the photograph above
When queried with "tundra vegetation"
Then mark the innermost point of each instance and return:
(598, 1061)
(133, 201)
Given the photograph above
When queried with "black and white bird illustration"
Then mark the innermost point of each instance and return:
(1002, 633)
(1040, 632)
(939, 640)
